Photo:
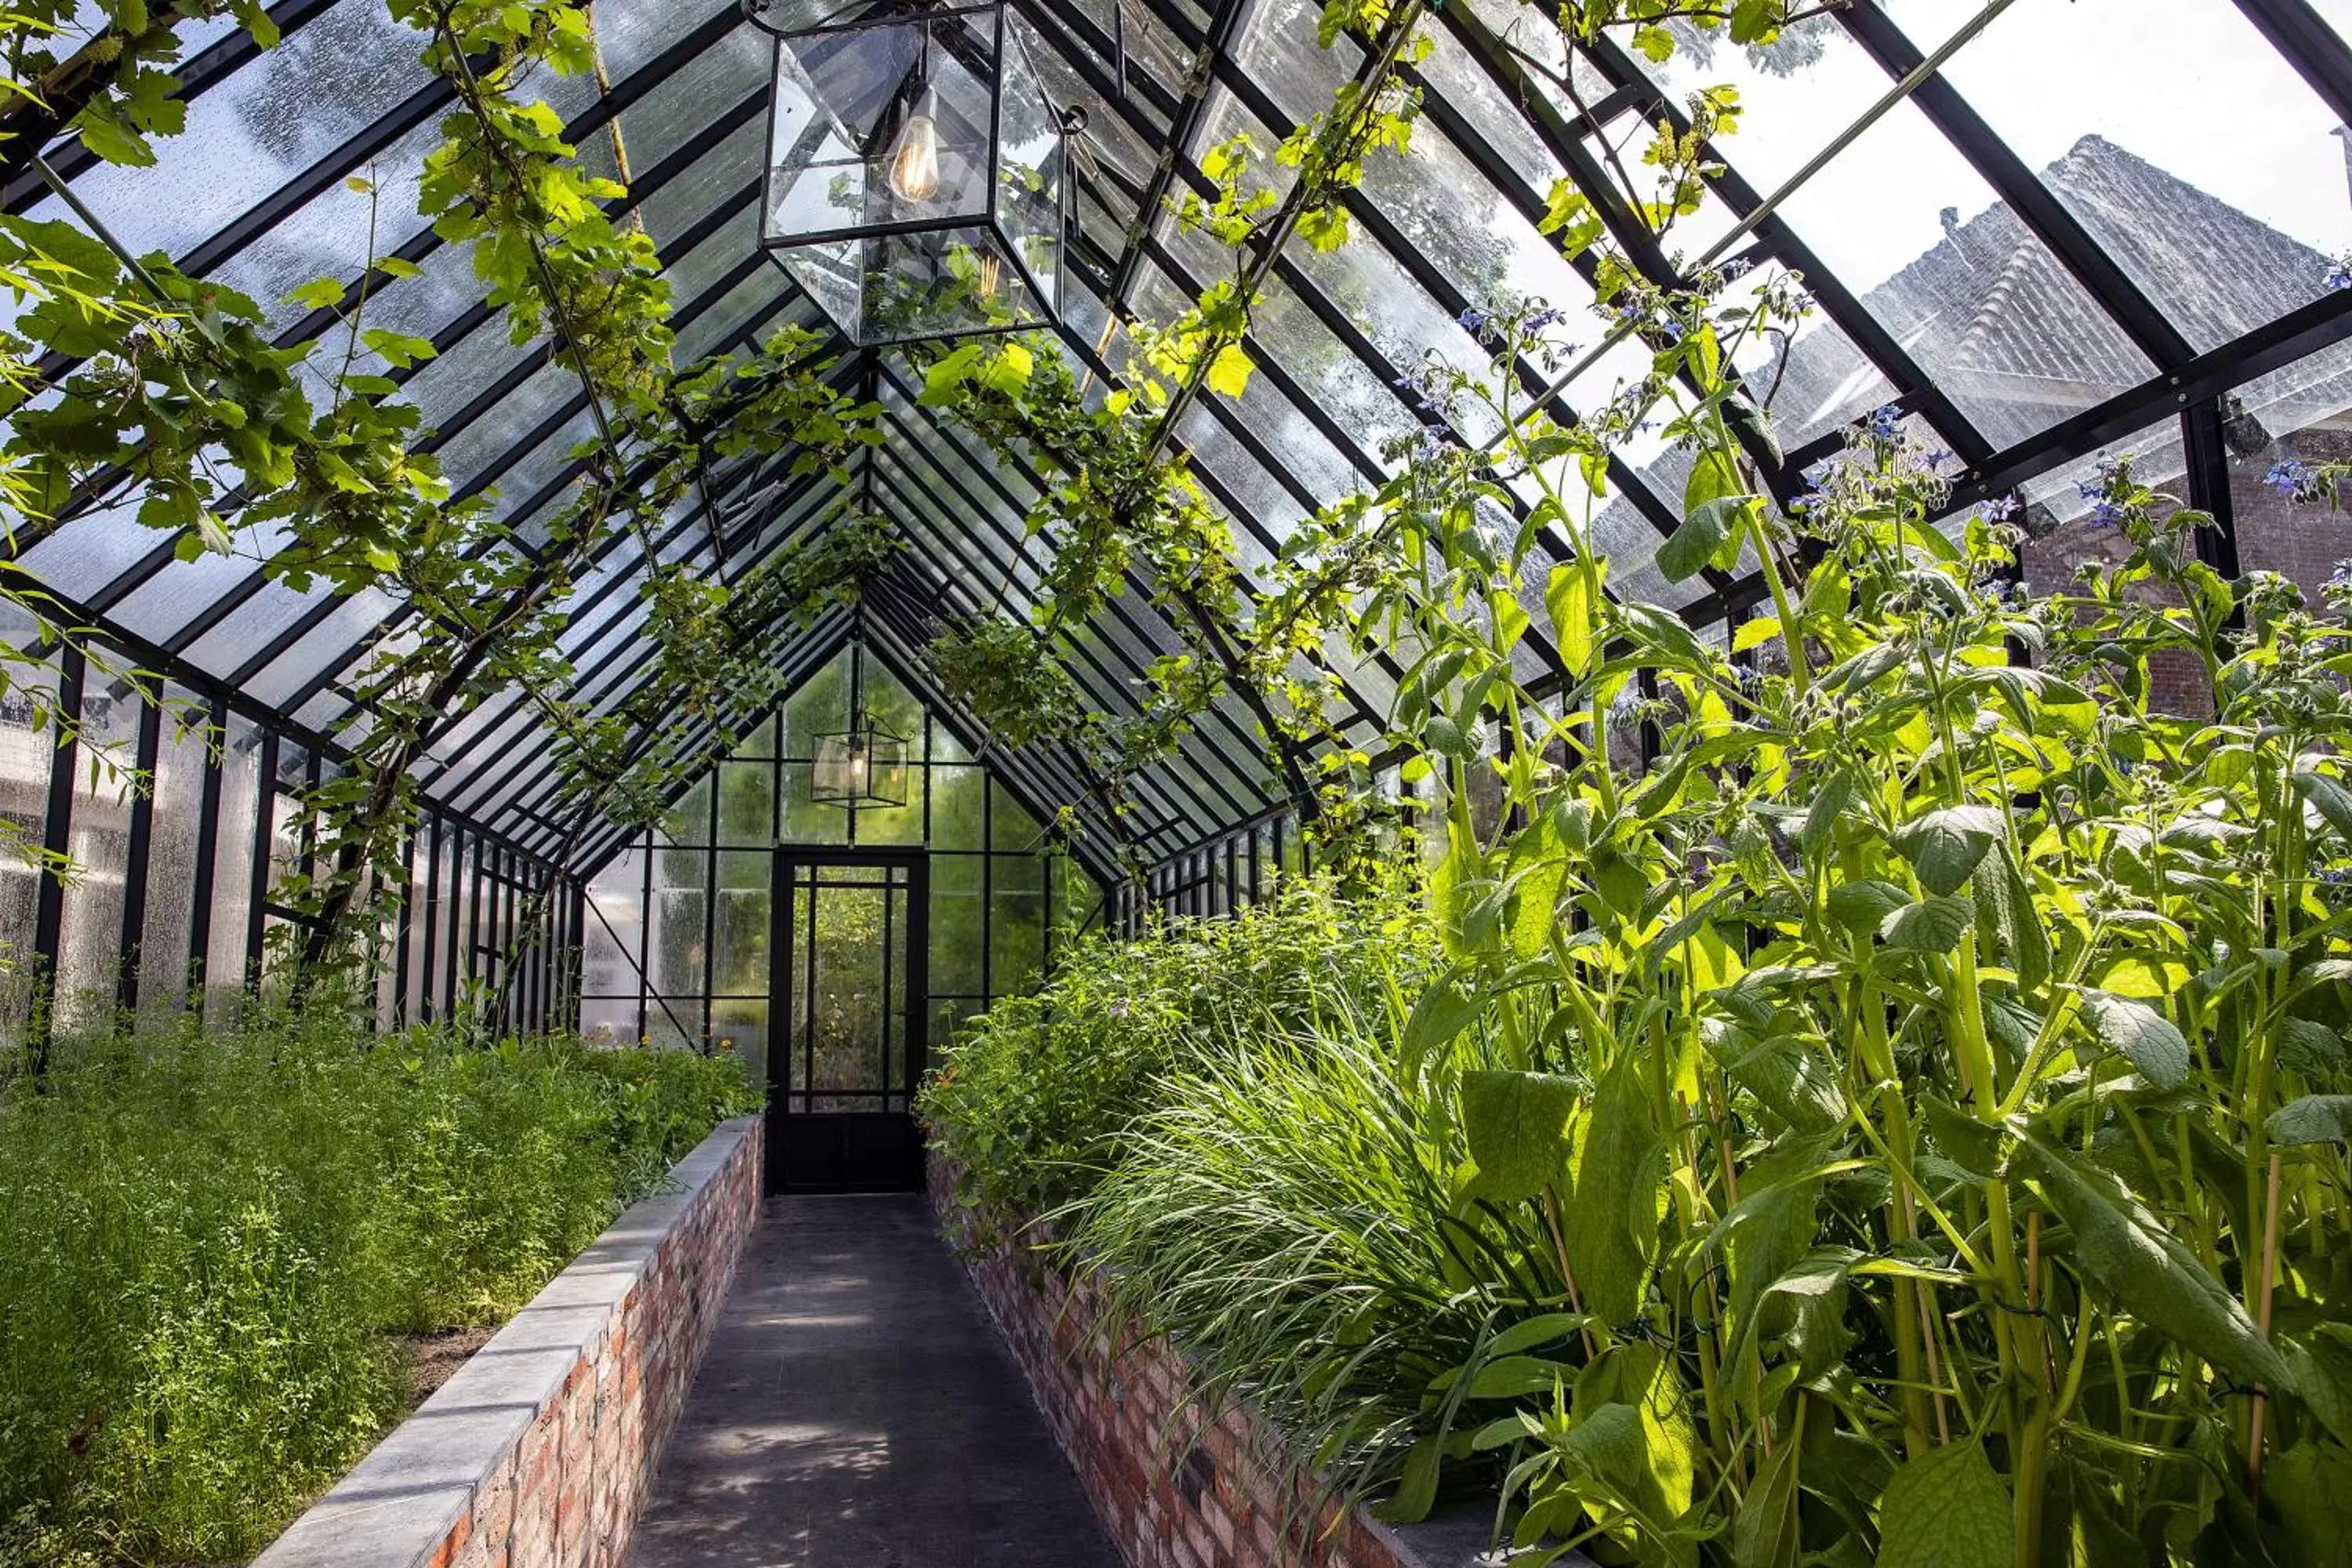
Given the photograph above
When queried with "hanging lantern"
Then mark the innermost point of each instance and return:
(864, 765)
(917, 180)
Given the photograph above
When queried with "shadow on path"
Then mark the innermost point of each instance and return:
(858, 1410)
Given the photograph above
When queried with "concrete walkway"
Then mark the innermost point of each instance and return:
(858, 1410)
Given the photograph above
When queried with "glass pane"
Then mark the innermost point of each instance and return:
(2225, 231)
(747, 807)
(739, 942)
(1984, 308)
(616, 921)
(843, 1007)
(2300, 414)
(675, 945)
(240, 804)
(89, 940)
(1016, 922)
(958, 925)
(178, 793)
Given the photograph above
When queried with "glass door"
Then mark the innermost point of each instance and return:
(849, 983)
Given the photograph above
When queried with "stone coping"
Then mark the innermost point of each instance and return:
(402, 1504)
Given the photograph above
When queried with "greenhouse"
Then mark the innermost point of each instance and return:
(1193, 783)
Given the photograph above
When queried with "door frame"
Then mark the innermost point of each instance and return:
(914, 1007)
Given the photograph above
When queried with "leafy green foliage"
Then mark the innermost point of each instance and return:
(212, 1235)
(1036, 1096)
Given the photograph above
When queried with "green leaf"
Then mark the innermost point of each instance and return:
(1569, 603)
(1608, 1445)
(1511, 619)
(947, 377)
(2314, 1118)
(1932, 925)
(109, 137)
(1945, 846)
(1516, 1124)
(1540, 1329)
(2305, 1487)
(2142, 1270)
(1867, 905)
(1440, 1013)
(1640, 1377)
(318, 294)
(1764, 1533)
(1516, 1376)
(2139, 1032)
(2329, 795)
(1229, 373)
(1706, 531)
(1612, 1213)
(1417, 1491)
(1946, 1509)
(2322, 1375)
(1008, 370)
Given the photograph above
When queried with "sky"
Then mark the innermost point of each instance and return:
(2188, 85)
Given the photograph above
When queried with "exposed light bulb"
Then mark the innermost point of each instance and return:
(915, 160)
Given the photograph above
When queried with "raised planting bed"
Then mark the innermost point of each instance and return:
(538, 1450)
(1173, 1488)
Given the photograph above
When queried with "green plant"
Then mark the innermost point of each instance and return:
(211, 1236)
(1035, 1097)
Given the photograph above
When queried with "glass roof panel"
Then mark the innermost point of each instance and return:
(2107, 105)
(1960, 281)
(2224, 233)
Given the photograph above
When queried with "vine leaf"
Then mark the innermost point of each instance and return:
(1229, 373)
(1946, 1509)
(2140, 1269)
(2152, 1043)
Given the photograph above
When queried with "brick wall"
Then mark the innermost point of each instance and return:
(538, 1453)
(1172, 1489)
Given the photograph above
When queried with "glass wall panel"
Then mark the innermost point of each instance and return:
(173, 837)
(233, 845)
(1001, 894)
(90, 934)
(2274, 432)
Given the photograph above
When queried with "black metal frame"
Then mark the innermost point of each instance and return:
(489, 785)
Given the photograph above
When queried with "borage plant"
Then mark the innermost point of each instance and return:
(1924, 1076)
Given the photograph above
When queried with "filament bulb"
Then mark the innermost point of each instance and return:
(915, 160)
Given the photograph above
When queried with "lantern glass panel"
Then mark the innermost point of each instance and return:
(1030, 173)
(882, 124)
(915, 185)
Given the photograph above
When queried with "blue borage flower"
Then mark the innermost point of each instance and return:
(1885, 422)
(1427, 386)
(2001, 509)
(2100, 490)
(2294, 478)
(2340, 580)
(2339, 272)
